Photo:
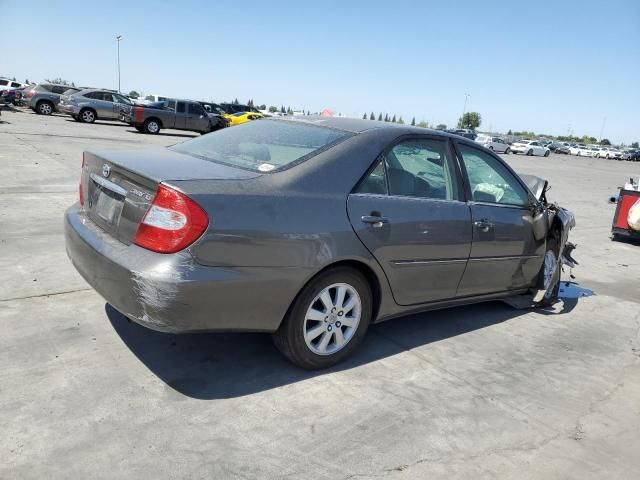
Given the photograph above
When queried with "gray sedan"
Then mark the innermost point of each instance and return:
(311, 229)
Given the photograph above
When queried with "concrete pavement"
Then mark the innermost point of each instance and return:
(483, 391)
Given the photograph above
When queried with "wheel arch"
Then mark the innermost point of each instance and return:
(369, 274)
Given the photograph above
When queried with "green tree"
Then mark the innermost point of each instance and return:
(273, 109)
(282, 110)
(441, 126)
(380, 117)
(400, 120)
(14, 79)
(393, 120)
(289, 111)
(236, 102)
(413, 122)
(372, 116)
(262, 107)
(423, 125)
(634, 145)
(386, 117)
(509, 132)
(364, 116)
(134, 94)
(26, 80)
(58, 81)
(470, 120)
(605, 141)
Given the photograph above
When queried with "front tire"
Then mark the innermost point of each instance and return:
(152, 126)
(507, 151)
(529, 152)
(546, 154)
(327, 320)
(549, 278)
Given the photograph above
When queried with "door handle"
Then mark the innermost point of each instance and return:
(483, 225)
(376, 221)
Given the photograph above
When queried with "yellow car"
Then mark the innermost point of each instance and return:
(242, 117)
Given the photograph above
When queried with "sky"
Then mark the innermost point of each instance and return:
(551, 67)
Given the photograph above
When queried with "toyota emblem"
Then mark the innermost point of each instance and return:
(106, 170)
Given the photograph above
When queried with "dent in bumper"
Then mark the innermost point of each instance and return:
(172, 293)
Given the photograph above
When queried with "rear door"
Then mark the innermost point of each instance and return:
(181, 116)
(505, 254)
(409, 213)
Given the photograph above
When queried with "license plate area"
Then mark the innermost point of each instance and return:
(106, 201)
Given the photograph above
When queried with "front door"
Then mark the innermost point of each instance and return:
(197, 118)
(505, 254)
(408, 213)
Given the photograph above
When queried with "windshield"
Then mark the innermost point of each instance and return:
(264, 146)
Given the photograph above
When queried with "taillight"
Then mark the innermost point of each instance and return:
(80, 189)
(172, 223)
(30, 93)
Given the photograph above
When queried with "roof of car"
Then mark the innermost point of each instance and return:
(358, 125)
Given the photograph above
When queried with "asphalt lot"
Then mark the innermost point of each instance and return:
(474, 392)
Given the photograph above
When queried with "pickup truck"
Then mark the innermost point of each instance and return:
(175, 114)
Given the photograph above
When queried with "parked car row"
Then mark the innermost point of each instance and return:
(87, 105)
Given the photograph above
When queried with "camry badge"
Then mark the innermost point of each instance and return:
(106, 170)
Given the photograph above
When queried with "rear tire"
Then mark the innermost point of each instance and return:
(308, 335)
(44, 107)
(87, 115)
(152, 126)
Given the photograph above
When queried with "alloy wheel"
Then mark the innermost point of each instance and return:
(332, 319)
(88, 116)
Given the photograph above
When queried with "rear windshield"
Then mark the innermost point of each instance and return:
(263, 146)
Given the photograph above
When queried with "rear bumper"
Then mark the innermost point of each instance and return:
(173, 293)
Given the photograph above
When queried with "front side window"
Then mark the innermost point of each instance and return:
(421, 168)
(195, 109)
(490, 180)
(121, 99)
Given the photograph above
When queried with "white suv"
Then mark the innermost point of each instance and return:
(493, 143)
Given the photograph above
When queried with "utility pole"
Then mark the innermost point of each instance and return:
(464, 109)
(118, 38)
(604, 120)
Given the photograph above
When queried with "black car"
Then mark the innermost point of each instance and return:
(561, 149)
(11, 96)
(633, 155)
(232, 108)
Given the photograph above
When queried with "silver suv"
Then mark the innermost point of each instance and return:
(90, 105)
(42, 98)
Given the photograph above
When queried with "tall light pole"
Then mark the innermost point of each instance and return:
(118, 38)
(464, 109)
(604, 120)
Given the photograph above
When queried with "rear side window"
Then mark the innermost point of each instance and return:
(264, 146)
(181, 107)
(15, 85)
(4, 82)
(60, 89)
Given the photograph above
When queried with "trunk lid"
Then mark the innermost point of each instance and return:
(119, 186)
